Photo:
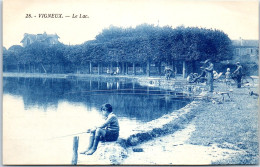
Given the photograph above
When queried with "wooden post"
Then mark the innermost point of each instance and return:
(90, 67)
(117, 67)
(90, 84)
(184, 69)
(144, 69)
(134, 69)
(75, 150)
(123, 68)
(98, 68)
(193, 65)
(173, 68)
(159, 68)
(126, 68)
(148, 69)
(117, 86)
(111, 67)
(101, 68)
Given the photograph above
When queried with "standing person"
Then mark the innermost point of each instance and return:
(228, 77)
(108, 71)
(168, 73)
(117, 70)
(108, 131)
(209, 74)
(238, 74)
(215, 75)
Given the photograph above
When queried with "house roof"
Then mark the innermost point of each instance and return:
(248, 43)
(39, 37)
(31, 36)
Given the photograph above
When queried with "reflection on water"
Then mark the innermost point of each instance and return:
(129, 100)
(38, 111)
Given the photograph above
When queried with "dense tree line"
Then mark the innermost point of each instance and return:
(144, 47)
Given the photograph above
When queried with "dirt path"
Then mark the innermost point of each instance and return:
(176, 150)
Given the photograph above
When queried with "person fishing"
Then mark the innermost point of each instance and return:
(108, 131)
(237, 74)
(199, 78)
(209, 74)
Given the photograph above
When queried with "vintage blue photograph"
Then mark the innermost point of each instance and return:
(123, 82)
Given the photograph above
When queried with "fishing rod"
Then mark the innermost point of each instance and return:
(69, 135)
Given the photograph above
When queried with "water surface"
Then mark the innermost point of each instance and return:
(39, 112)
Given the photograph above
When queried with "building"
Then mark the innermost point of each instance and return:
(245, 48)
(44, 38)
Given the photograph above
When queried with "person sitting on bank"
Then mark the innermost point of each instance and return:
(201, 77)
(108, 131)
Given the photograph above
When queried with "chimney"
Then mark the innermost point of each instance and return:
(241, 41)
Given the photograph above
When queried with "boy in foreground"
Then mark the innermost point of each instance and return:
(108, 131)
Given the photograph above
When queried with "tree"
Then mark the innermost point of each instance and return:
(16, 48)
(143, 44)
(72, 54)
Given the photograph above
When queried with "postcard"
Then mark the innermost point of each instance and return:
(123, 82)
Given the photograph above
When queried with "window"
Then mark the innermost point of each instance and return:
(237, 51)
(248, 50)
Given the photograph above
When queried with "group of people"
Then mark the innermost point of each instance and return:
(111, 72)
(209, 75)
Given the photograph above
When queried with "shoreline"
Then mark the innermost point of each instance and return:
(117, 152)
(214, 135)
(88, 76)
(177, 147)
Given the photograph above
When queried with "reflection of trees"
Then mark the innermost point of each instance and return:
(36, 91)
(138, 104)
(142, 107)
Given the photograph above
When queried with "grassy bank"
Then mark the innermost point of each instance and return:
(232, 125)
(223, 133)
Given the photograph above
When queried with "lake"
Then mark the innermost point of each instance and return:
(41, 115)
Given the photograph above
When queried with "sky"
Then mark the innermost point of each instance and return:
(237, 18)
